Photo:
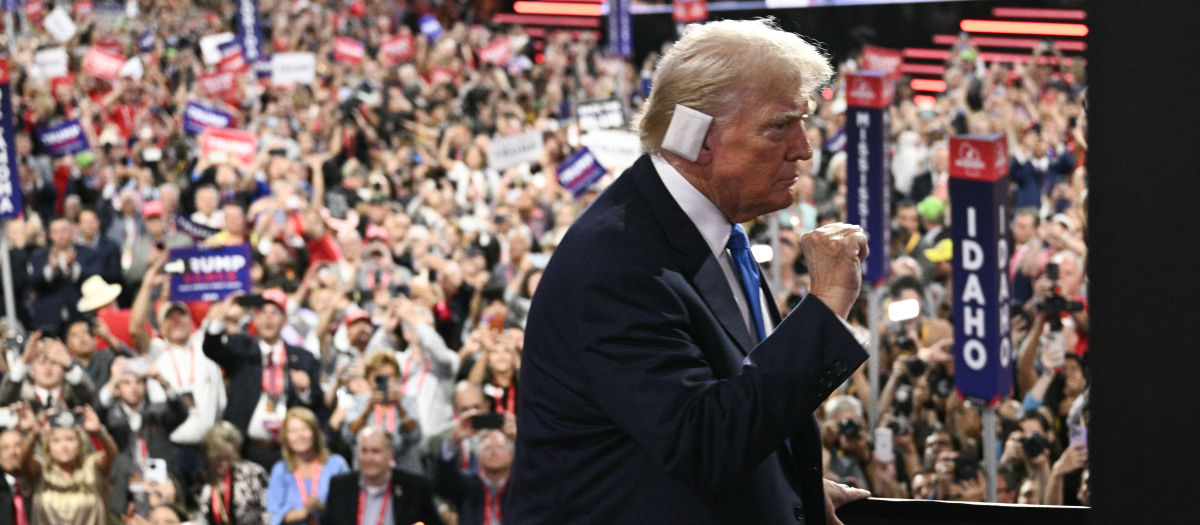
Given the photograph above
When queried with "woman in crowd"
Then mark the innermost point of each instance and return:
(233, 488)
(388, 408)
(69, 478)
(497, 372)
(300, 482)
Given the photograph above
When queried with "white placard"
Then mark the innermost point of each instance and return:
(293, 68)
(210, 46)
(506, 152)
(133, 68)
(59, 24)
(615, 149)
(52, 62)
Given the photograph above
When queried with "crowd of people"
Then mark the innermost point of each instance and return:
(375, 361)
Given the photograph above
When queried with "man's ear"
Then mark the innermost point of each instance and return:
(705, 157)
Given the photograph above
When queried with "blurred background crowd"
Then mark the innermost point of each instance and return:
(393, 265)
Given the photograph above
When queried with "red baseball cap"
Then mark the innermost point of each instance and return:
(153, 209)
(356, 315)
(275, 295)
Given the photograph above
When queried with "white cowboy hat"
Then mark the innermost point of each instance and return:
(97, 293)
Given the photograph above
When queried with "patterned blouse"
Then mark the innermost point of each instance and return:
(249, 502)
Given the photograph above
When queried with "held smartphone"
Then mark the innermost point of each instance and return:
(883, 445)
(1078, 435)
(141, 501)
(156, 470)
(381, 384)
(489, 421)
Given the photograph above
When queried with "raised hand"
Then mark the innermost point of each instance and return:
(834, 254)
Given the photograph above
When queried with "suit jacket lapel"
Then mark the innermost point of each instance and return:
(699, 264)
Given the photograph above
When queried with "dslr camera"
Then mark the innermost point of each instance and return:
(850, 428)
(1055, 305)
(1034, 445)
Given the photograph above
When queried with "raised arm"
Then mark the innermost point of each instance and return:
(139, 314)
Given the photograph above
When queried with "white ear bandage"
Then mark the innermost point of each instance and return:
(685, 135)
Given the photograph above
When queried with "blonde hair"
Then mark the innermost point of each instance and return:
(220, 437)
(310, 419)
(378, 360)
(714, 64)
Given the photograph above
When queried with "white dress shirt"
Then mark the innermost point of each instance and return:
(716, 228)
(258, 429)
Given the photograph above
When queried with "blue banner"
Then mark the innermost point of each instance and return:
(146, 41)
(248, 32)
(203, 274)
(63, 139)
(197, 117)
(868, 185)
(580, 171)
(12, 202)
(430, 27)
(198, 232)
(620, 29)
(983, 353)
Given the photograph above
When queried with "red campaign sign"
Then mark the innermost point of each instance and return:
(868, 89)
(222, 84)
(82, 8)
(35, 11)
(497, 52)
(110, 45)
(882, 59)
(239, 144)
(397, 49)
(438, 75)
(686, 11)
(979, 157)
(346, 49)
(102, 64)
(233, 63)
(3, 70)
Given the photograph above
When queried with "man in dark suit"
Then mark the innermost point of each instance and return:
(56, 272)
(13, 495)
(141, 428)
(46, 377)
(649, 390)
(104, 257)
(266, 376)
(366, 495)
(481, 497)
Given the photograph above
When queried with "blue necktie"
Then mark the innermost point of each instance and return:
(739, 248)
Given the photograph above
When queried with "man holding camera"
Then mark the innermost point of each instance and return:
(140, 427)
(46, 377)
(268, 375)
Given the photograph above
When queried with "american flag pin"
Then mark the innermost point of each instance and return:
(397, 491)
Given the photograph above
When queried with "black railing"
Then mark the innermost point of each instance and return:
(881, 511)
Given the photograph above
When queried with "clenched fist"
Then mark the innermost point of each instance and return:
(834, 254)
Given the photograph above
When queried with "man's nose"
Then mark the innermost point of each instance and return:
(799, 148)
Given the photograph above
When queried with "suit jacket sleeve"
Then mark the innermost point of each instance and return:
(650, 378)
(171, 413)
(449, 481)
(224, 350)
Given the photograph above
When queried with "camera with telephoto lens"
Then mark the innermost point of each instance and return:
(1034, 445)
(850, 428)
(916, 366)
(905, 343)
(900, 425)
(903, 398)
(941, 384)
(1055, 305)
(966, 468)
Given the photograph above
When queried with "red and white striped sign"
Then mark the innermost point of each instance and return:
(397, 49)
(348, 50)
(102, 64)
(237, 143)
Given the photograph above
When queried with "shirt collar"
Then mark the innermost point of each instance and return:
(266, 348)
(713, 225)
(374, 492)
(51, 395)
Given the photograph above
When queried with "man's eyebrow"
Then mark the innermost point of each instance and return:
(787, 116)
